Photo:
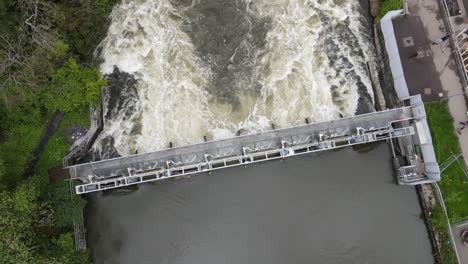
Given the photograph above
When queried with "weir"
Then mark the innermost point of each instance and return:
(406, 126)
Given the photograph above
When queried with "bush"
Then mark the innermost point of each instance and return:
(73, 86)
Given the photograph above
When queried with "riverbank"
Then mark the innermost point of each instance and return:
(329, 207)
(453, 184)
(446, 142)
(443, 118)
(45, 65)
(48, 210)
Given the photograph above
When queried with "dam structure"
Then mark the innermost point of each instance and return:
(405, 128)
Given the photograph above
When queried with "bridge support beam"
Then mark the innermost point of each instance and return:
(401, 124)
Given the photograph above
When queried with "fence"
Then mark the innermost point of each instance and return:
(454, 40)
(84, 142)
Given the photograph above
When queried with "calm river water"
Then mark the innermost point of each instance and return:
(335, 207)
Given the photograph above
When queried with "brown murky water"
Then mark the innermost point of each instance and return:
(335, 207)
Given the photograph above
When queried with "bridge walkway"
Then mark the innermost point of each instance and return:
(270, 145)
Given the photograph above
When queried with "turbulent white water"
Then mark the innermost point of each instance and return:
(215, 68)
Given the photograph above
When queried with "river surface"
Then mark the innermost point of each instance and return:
(334, 207)
(218, 68)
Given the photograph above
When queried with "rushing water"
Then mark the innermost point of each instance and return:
(300, 211)
(217, 68)
(182, 70)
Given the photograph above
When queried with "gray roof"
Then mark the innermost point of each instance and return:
(410, 57)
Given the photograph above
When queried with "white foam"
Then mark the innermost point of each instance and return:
(146, 39)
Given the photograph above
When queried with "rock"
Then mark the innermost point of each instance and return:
(374, 7)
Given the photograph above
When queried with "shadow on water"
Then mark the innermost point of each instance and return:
(365, 148)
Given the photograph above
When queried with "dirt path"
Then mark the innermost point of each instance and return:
(45, 137)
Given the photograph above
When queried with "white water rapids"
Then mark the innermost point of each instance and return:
(218, 68)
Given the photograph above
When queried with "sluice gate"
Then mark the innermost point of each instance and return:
(407, 122)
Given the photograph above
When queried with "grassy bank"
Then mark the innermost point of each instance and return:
(454, 185)
(388, 5)
(38, 227)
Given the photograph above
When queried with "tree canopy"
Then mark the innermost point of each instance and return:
(46, 63)
(19, 215)
(73, 85)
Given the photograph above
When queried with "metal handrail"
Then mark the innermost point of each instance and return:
(454, 41)
(79, 144)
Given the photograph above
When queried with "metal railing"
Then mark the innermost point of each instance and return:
(78, 226)
(462, 40)
(458, 54)
(248, 157)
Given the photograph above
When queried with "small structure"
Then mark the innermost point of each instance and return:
(410, 57)
(416, 161)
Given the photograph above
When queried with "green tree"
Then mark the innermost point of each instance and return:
(85, 25)
(105, 6)
(17, 221)
(73, 85)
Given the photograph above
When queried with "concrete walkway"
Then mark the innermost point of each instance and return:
(445, 64)
(433, 22)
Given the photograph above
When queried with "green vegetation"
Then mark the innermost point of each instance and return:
(72, 86)
(454, 184)
(387, 6)
(46, 63)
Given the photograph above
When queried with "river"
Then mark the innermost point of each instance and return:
(333, 207)
(213, 69)
(184, 71)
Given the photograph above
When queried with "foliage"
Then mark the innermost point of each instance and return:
(105, 6)
(447, 254)
(46, 49)
(387, 6)
(65, 244)
(22, 129)
(7, 19)
(20, 214)
(2, 168)
(85, 24)
(453, 184)
(73, 86)
(66, 207)
(23, 216)
(40, 211)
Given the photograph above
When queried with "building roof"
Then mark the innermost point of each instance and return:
(410, 57)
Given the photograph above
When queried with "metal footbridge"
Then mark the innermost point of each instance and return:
(248, 149)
